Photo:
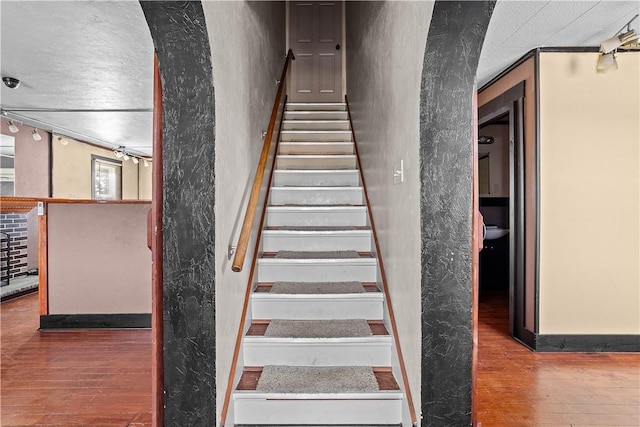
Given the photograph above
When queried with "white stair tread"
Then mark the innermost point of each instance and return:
(318, 231)
(311, 106)
(360, 297)
(318, 188)
(307, 132)
(317, 208)
(315, 121)
(318, 261)
(376, 395)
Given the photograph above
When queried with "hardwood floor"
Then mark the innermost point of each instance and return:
(517, 387)
(63, 378)
(103, 377)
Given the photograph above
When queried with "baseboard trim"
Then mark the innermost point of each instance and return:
(95, 321)
(588, 343)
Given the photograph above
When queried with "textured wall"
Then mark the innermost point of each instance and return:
(246, 65)
(180, 37)
(385, 49)
(451, 58)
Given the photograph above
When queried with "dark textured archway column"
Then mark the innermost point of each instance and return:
(451, 59)
(182, 45)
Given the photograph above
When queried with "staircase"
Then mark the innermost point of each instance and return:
(317, 351)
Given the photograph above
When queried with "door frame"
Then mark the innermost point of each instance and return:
(511, 103)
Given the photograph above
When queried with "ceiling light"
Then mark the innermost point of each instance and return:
(125, 156)
(146, 163)
(618, 40)
(607, 62)
(35, 135)
(135, 160)
(118, 154)
(485, 139)
(12, 127)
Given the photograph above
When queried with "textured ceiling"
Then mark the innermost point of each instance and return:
(516, 27)
(86, 66)
(86, 69)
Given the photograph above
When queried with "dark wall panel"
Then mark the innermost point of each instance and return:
(451, 58)
(180, 37)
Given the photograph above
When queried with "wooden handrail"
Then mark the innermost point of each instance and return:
(250, 213)
(383, 275)
(247, 295)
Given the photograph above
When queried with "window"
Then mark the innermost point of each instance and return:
(106, 178)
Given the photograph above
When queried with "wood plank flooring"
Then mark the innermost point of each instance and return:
(517, 387)
(63, 378)
(103, 377)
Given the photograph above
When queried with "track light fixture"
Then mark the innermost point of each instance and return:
(121, 153)
(146, 163)
(607, 62)
(12, 127)
(35, 135)
(625, 38)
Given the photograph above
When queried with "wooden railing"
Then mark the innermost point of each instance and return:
(383, 275)
(252, 206)
(247, 226)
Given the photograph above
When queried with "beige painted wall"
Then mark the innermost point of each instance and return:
(72, 170)
(31, 161)
(99, 262)
(590, 195)
(145, 180)
(384, 65)
(246, 65)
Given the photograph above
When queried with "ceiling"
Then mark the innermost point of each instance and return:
(86, 67)
(516, 27)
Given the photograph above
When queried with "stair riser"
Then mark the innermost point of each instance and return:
(315, 148)
(331, 217)
(324, 162)
(262, 352)
(275, 240)
(315, 125)
(317, 309)
(319, 196)
(296, 136)
(346, 178)
(321, 106)
(316, 115)
(334, 412)
(315, 272)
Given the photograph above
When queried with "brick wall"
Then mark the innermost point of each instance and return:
(15, 225)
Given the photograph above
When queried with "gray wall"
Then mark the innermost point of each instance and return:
(188, 131)
(248, 46)
(385, 48)
(451, 59)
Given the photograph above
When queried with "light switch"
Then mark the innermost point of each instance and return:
(398, 172)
